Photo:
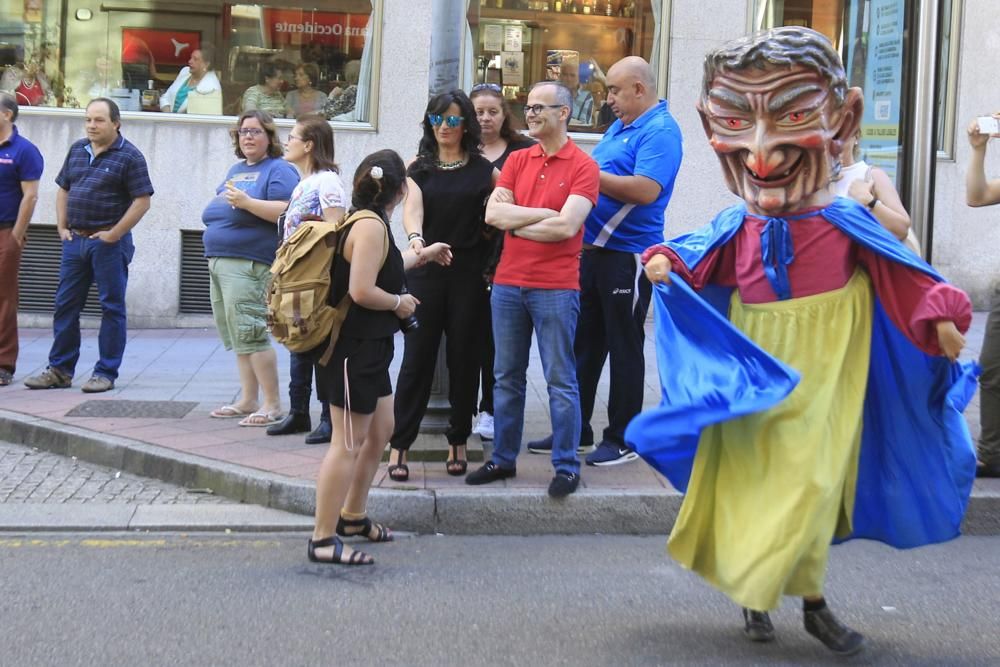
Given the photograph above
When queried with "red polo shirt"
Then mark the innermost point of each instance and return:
(546, 181)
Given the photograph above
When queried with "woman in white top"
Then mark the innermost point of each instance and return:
(872, 187)
(318, 196)
(195, 79)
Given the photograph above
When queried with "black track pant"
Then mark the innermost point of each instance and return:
(614, 299)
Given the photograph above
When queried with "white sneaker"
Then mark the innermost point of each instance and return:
(484, 426)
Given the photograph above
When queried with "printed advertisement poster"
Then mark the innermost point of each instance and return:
(876, 50)
(512, 63)
(492, 37)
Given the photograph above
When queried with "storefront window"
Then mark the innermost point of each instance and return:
(871, 36)
(519, 42)
(188, 57)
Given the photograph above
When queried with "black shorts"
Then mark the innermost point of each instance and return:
(367, 373)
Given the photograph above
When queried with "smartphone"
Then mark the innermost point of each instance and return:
(988, 125)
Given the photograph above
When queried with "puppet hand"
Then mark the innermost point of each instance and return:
(950, 340)
(658, 269)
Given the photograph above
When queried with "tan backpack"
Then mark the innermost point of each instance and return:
(299, 314)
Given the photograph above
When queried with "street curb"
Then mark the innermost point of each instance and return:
(37, 517)
(454, 511)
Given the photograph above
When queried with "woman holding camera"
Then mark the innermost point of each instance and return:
(356, 378)
(449, 182)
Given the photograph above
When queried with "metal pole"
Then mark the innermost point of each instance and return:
(924, 157)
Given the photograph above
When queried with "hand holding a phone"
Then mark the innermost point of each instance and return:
(982, 128)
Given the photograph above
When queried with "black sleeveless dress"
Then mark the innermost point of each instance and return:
(365, 347)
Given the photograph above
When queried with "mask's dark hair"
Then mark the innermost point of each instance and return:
(377, 194)
(9, 103)
(114, 113)
(267, 71)
(316, 129)
(787, 46)
(507, 133)
(274, 147)
(427, 151)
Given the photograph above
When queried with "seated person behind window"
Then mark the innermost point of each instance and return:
(266, 95)
(195, 79)
(583, 100)
(32, 89)
(340, 106)
(305, 99)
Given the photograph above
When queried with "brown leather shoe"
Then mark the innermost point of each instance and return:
(96, 384)
(50, 378)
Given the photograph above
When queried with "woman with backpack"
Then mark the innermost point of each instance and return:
(368, 267)
(318, 196)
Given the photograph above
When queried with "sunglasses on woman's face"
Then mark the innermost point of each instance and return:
(436, 119)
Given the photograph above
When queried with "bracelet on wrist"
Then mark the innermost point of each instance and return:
(872, 204)
(399, 300)
(415, 235)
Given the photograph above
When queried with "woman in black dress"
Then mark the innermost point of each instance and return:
(449, 182)
(356, 378)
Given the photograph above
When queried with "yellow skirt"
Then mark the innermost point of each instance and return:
(769, 491)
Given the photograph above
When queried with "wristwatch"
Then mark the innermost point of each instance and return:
(871, 205)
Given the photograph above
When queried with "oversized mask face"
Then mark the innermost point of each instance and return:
(778, 132)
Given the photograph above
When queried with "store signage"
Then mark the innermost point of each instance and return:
(294, 26)
(33, 11)
(163, 46)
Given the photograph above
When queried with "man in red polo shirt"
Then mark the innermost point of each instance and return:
(541, 200)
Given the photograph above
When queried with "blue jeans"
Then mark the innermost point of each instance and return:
(552, 314)
(300, 380)
(85, 260)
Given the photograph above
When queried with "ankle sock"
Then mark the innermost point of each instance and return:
(813, 605)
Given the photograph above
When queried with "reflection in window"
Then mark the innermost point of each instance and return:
(871, 37)
(519, 42)
(187, 57)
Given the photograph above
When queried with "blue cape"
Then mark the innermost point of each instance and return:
(917, 462)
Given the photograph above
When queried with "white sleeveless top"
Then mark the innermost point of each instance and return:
(856, 172)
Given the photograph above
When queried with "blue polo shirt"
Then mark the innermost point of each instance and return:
(102, 188)
(649, 146)
(20, 161)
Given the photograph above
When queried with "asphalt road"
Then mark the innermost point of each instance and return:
(131, 599)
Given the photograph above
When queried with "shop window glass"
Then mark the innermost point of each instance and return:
(871, 36)
(517, 43)
(204, 58)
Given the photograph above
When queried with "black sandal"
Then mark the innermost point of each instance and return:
(363, 527)
(356, 558)
(456, 467)
(398, 472)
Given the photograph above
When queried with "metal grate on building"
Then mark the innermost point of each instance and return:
(38, 277)
(195, 297)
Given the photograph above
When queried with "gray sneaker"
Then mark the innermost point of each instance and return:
(50, 378)
(96, 384)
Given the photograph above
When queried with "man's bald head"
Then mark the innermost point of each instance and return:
(631, 88)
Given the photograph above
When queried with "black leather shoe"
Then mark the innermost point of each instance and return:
(836, 636)
(563, 484)
(987, 471)
(322, 434)
(294, 422)
(758, 626)
(490, 472)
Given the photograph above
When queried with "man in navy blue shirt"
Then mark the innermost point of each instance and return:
(639, 157)
(20, 169)
(104, 190)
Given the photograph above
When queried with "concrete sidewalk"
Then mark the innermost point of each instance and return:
(185, 373)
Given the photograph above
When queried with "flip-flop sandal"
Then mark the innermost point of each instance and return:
(228, 412)
(268, 419)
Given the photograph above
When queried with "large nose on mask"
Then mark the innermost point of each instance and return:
(764, 157)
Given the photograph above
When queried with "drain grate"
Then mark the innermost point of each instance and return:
(133, 409)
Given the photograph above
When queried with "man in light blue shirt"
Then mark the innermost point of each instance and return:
(639, 157)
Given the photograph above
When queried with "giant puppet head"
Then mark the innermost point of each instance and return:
(776, 108)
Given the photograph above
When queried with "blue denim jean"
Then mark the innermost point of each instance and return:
(84, 261)
(300, 380)
(552, 315)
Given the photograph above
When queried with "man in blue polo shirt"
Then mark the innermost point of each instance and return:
(104, 191)
(20, 169)
(639, 157)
